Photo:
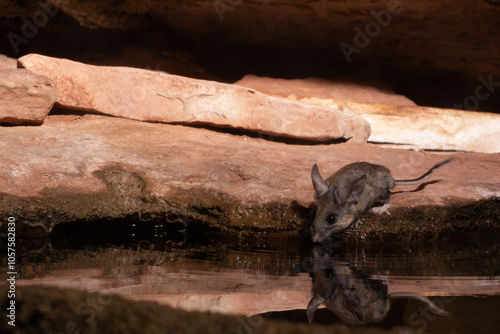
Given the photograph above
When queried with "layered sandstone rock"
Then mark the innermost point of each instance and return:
(155, 96)
(6, 62)
(424, 127)
(75, 167)
(344, 89)
(393, 118)
(25, 97)
(384, 39)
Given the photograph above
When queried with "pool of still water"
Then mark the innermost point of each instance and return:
(448, 286)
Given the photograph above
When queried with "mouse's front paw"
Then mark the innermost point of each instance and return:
(357, 223)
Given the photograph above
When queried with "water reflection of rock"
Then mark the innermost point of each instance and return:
(230, 280)
(351, 293)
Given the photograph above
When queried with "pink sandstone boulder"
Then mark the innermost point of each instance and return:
(160, 97)
(25, 97)
(6, 62)
(427, 128)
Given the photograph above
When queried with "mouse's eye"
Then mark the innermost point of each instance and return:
(331, 219)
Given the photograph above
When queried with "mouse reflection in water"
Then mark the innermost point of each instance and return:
(351, 294)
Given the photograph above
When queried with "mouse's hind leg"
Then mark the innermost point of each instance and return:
(383, 203)
(384, 209)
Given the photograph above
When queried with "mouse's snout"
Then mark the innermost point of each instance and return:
(319, 234)
(316, 238)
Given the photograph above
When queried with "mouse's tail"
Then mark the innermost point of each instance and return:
(423, 177)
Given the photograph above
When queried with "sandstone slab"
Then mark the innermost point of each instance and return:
(438, 70)
(424, 127)
(344, 89)
(393, 118)
(95, 166)
(6, 62)
(25, 97)
(159, 97)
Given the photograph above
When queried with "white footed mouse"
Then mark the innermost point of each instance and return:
(350, 192)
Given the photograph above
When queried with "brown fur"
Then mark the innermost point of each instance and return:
(350, 192)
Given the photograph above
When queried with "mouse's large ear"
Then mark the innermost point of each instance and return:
(352, 303)
(315, 302)
(355, 190)
(319, 184)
